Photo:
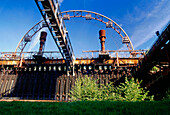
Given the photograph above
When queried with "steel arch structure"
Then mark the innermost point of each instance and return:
(99, 17)
(74, 14)
(28, 36)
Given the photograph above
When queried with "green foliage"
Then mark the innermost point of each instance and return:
(87, 89)
(132, 91)
(155, 68)
(108, 92)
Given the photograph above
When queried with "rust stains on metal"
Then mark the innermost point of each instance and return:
(102, 37)
(42, 41)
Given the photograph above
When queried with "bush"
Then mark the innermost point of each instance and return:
(87, 89)
(132, 91)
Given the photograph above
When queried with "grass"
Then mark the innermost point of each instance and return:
(86, 107)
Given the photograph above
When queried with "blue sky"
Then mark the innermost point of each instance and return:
(139, 18)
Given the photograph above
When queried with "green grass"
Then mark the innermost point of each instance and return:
(86, 107)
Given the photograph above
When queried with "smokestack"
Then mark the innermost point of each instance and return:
(102, 37)
(42, 41)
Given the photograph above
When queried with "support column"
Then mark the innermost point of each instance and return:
(117, 59)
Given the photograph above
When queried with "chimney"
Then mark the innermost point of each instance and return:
(102, 37)
(42, 41)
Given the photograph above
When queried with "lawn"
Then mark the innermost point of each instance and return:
(86, 107)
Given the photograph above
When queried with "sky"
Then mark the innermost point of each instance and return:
(139, 18)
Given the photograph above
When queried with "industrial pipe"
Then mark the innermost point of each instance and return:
(102, 37)
(42, 41)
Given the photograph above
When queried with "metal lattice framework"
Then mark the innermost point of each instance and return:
(66, 15)
(28, 36)
(52, 16)
(89, 15)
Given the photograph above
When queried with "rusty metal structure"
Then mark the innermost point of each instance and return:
(54, 21)
(43, 76)
(88, 15)
(42, 42)
(102, 38)
(157, 57)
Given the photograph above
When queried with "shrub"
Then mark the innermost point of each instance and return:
(132, 91)
(87, 89)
